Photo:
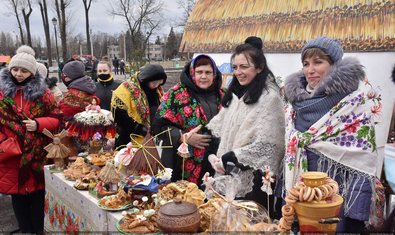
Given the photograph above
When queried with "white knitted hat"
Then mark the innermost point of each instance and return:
(24, 58)
(42, 70)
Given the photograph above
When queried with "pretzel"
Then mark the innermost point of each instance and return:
(287, 210)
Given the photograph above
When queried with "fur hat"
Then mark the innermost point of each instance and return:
(24, 58)
(42, 70)
(74, 69)
(329, 46)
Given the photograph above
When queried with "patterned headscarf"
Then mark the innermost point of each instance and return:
(194, 63)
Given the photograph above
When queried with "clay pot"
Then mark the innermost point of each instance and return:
(178, 217)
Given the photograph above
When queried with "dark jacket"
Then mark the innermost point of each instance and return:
(184, 107)
(139, 96)
(104, 92)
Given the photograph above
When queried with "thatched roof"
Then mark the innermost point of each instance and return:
(219, 25)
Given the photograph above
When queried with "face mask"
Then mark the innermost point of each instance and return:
(104, 76)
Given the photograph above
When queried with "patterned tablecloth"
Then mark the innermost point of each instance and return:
(68, 209)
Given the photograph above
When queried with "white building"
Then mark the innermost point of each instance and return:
(113, 51)
(154, 52)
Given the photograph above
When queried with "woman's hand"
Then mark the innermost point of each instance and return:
(196, 140)
(31, 125)
(216, 163)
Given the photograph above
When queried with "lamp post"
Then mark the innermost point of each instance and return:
(90, 33)
(149, 60)
(54, 22)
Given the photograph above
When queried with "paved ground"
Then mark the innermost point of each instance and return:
(8, 221)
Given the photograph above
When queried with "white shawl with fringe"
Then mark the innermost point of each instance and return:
(254, 132)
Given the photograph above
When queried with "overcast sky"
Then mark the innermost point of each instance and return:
(100, 20)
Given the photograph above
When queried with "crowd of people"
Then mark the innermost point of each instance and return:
(314, 124)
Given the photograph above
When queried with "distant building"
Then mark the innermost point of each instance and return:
(154, 52)
(113, 50)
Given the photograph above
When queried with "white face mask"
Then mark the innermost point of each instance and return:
(389, 164)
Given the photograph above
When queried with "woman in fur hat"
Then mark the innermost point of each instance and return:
(327, 106)
(135, 102)
(27, 107)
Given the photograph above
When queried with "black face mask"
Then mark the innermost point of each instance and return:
(104, 76)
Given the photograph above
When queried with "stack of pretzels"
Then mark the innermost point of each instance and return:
(302, 193)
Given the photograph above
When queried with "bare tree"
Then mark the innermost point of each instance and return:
(61, 6)
(142, 18)
(186, 6)
(44, 17)
(87, 6)
(15, 8)
(26, 12)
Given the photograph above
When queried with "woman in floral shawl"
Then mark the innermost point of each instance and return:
(27, 106)
(135, 102)
(187, 105)
(330, 129)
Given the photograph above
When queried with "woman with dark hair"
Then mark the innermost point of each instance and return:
(251, 124)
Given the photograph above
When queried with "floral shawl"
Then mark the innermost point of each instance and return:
(180, 108)
(33, 143)
(129, 96)
(344, 137)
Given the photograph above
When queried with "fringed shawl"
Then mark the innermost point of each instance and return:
(344, 139)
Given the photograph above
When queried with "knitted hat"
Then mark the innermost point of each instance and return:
(329, 46)
(24, 58)
(74, 69)
(42, 70)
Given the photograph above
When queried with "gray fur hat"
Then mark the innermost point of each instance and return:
(329, 46)
(24, 58)
(74, 69)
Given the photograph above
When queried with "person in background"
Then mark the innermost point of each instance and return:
(51, 82)
(122, 67)
(43, 70)
(106, 83)
(135, 102)
(95, 62)
(185, 109)
(251, 123)
(53, 87)
(27, 108)
(327, 107)
(81, 89)
(115, 63)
